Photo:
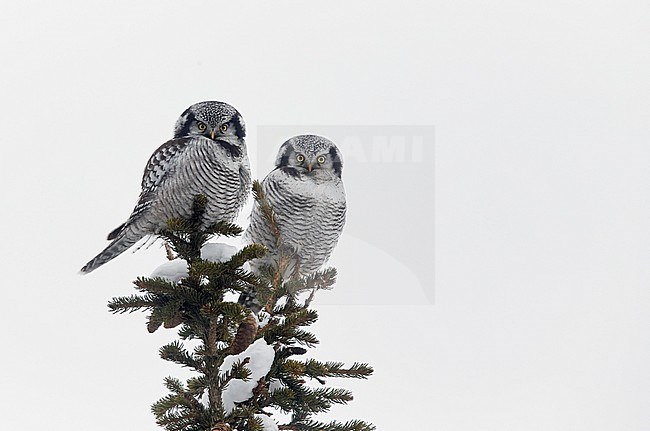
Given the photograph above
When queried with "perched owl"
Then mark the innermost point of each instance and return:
(207, 156)
(306, 194)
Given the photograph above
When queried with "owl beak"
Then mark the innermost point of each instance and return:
(309, 167)
(212, 134)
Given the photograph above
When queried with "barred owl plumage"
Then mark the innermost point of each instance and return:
(207, 156)
(306, 193)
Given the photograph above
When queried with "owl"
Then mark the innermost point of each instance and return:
(306, 193)
(207, 156)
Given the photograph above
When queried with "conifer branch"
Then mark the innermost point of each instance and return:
(310, 425)
(196, 305)
(131, 303)
(176, 352)
(267, 211)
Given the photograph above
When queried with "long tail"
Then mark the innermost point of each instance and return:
(248, 298)
(122, 242)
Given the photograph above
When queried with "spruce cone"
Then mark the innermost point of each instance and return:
(169, 252)
(245, 335)
(176, 320)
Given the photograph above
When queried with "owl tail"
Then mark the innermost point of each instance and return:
(248, 298)
(122, 241)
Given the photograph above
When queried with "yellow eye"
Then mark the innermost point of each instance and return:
(321, 159)
(201, 126)
(223, 128)
(300, 158)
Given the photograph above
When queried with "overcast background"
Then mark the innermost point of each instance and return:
(534, 313)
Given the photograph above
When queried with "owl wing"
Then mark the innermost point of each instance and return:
(160, 165)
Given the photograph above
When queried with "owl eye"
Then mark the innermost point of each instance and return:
(201, 126)
(223, 128)
(300, 158)
(321, 159)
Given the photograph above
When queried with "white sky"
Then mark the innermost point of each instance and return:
(542, 298)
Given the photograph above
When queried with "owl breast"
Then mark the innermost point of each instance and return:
(205, 168)
(310, 211)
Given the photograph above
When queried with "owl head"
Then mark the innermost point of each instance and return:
(309, 155)
(212, 120)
